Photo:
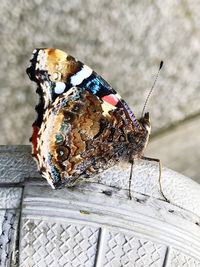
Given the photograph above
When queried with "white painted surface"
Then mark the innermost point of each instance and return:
(95, 223)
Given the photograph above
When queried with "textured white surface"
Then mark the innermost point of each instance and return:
(178, 189)
(10, 197)
(8, 233)
(108, 230)
(16, 163)
(178, 258)
(181, 191)
(95, 223)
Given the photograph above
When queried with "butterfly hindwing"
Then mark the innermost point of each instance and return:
(77, 137)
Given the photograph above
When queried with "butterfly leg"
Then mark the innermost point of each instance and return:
(130, 180)
(160, 172)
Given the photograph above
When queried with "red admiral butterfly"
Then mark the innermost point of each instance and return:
(83, 126)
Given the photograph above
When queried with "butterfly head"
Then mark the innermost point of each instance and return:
(145, 122)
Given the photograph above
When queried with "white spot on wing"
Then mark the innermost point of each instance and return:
(59, 87)
(43, 61)
(84, 73)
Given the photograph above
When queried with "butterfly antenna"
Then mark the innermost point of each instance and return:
(149, 94)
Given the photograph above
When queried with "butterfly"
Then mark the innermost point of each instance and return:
(83, 126)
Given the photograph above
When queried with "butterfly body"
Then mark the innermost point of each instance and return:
(83, 126)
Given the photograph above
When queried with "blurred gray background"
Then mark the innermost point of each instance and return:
(124, 41)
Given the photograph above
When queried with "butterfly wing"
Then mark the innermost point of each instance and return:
(78, 137)
(56, 72)
(83, 126)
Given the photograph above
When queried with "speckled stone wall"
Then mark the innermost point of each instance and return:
(123, 41)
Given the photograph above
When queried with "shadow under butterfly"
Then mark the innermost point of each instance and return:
(83, 126)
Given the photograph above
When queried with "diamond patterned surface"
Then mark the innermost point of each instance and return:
(8, 226)
(15, 165)
(178, 258)
(10, 197)
(45, 243)
(129, 251)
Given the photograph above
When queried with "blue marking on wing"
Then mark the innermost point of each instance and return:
(96, 84)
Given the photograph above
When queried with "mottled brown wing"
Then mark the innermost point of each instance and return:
(81, 137)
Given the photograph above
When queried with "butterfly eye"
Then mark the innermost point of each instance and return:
(56, 76)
